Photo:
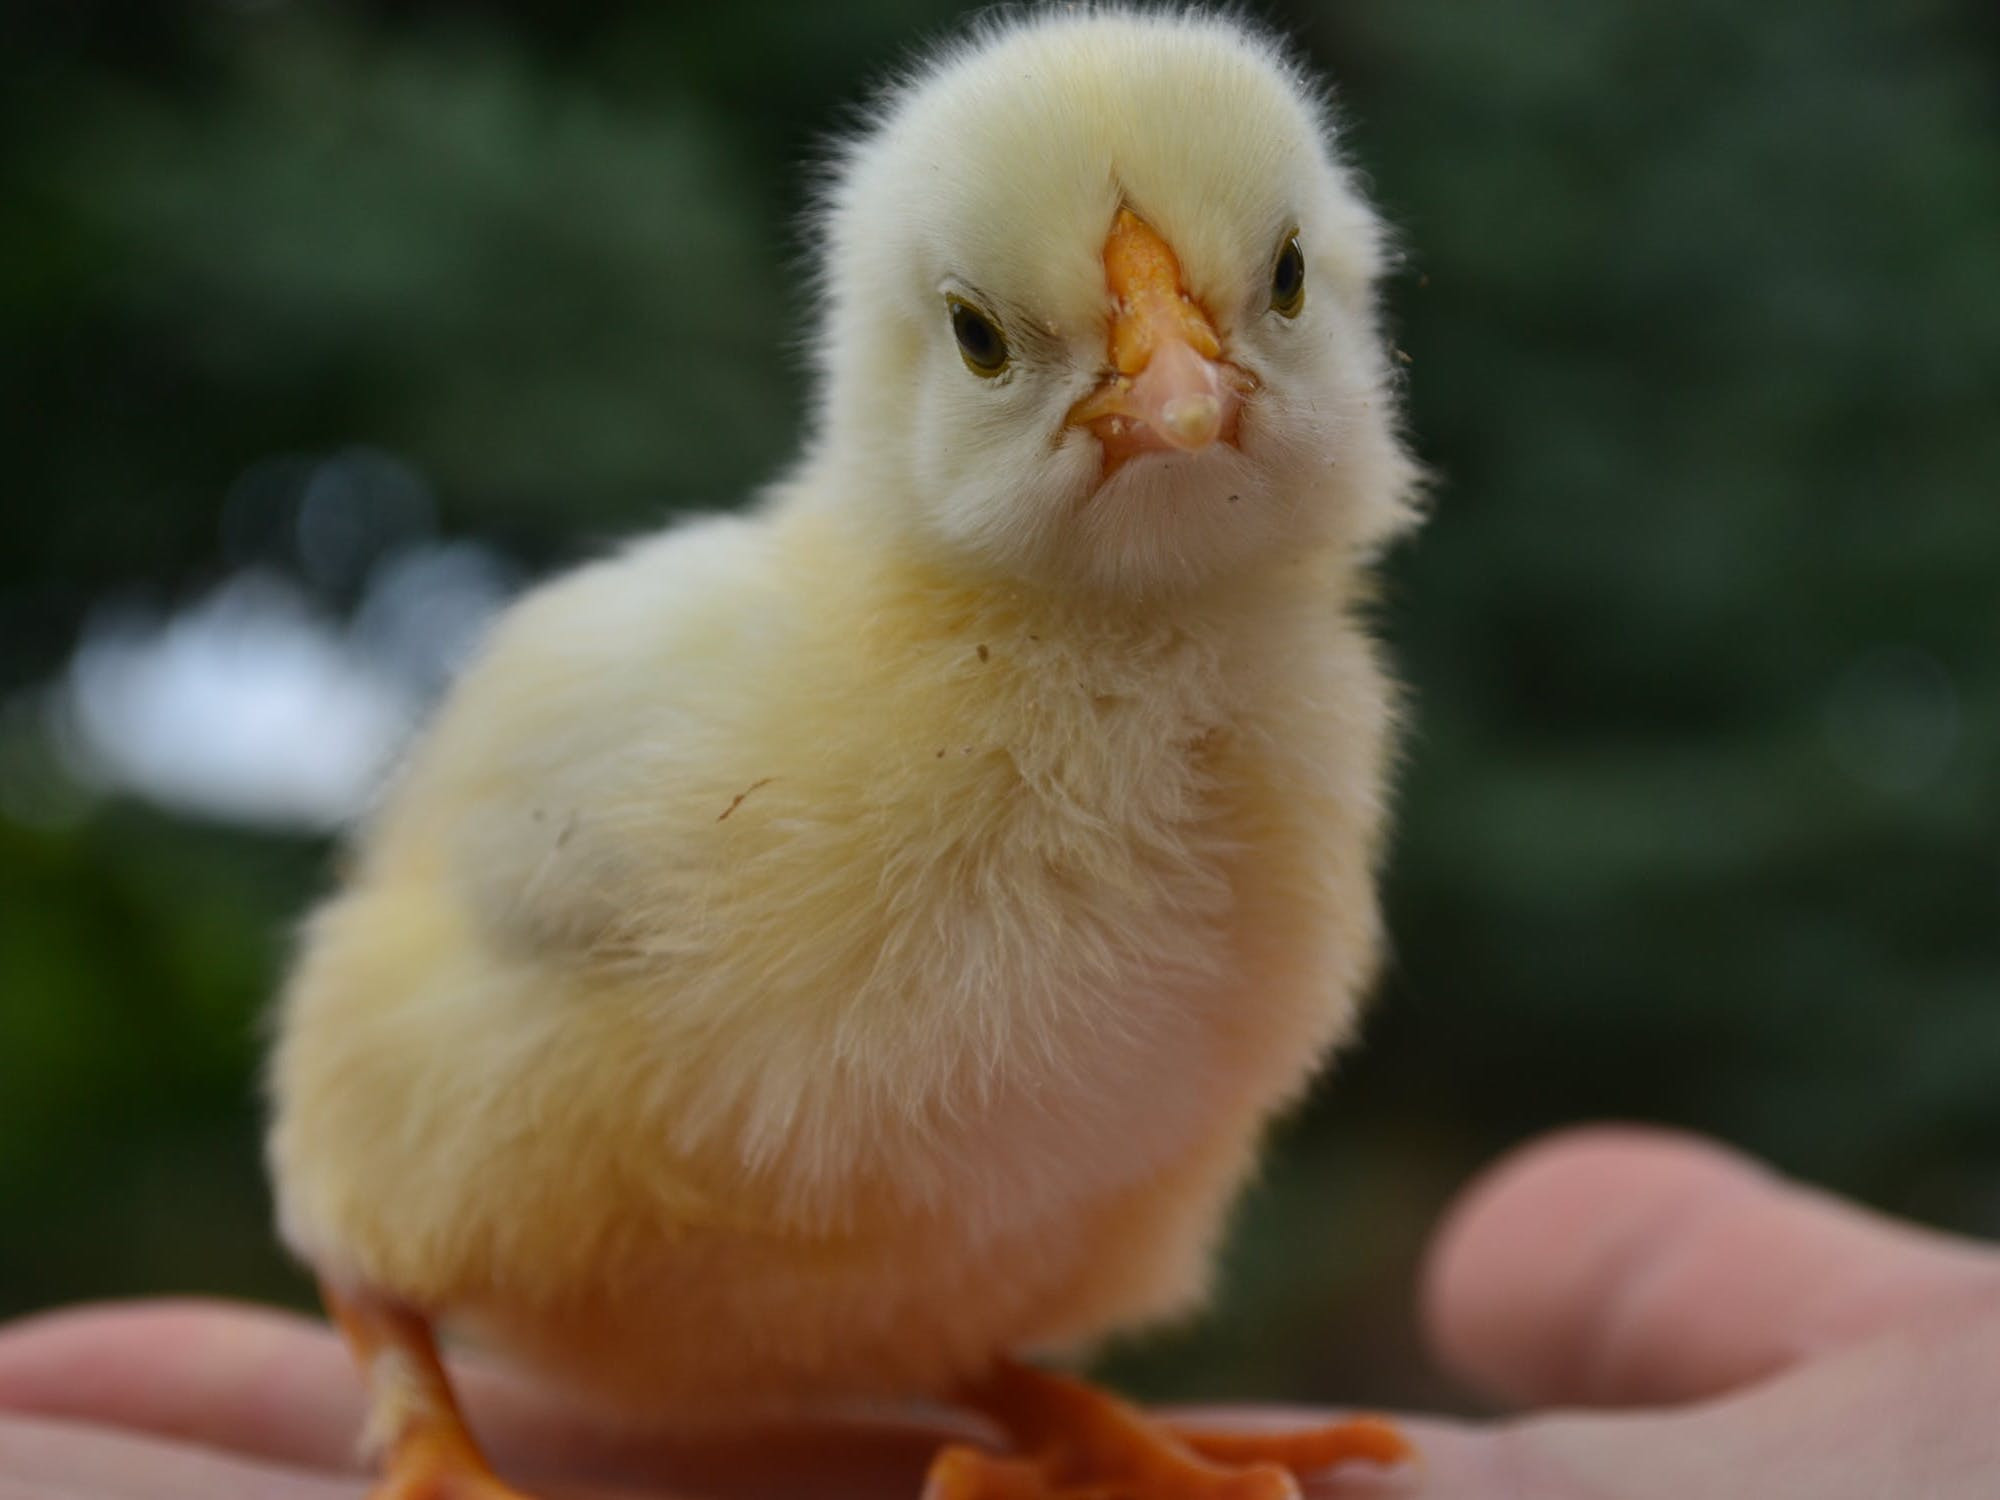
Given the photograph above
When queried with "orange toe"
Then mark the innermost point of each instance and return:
(960, 1473)
(1076, 1442)
(442, 1481)
(1306, 1450)
(968, 1474)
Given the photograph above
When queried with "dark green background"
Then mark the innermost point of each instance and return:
(1702, 807)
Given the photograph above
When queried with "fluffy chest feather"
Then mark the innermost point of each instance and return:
(984, 926)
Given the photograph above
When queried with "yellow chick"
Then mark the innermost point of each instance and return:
(826, 951)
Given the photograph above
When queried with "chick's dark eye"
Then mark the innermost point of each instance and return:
(979, 339)
(1288, 279)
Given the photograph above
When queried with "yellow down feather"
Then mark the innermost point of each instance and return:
(816, 950)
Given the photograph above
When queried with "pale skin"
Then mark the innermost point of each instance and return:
(1671, 1320)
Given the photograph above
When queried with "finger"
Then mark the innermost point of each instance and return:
(278, 1386)
(53, 1460)
(261, 1382)
(1621, 1265)
(43, 1458)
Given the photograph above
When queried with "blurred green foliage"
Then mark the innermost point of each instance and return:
(1702, 304)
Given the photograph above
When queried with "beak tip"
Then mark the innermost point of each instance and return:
(1191, 422)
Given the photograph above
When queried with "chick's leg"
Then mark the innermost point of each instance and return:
(1081, 1443)
(413, 1418)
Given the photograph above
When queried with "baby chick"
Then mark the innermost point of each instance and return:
(820, 952)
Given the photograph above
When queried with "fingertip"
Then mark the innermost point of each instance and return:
(48, 1351)
(259, 1380)
(89, 1319)
(1513, 1275)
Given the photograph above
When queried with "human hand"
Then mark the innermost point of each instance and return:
(1716, 1333)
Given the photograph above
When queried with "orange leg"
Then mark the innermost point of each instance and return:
(427, 1452)
(1081, 1443)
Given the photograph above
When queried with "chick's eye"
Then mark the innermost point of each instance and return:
(979, 339)
(1288, 279)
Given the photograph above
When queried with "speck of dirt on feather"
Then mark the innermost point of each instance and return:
(984, 654)
(1234, 498)
(940, 754)
(737, 801)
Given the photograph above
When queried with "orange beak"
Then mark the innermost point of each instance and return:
(1169, 388)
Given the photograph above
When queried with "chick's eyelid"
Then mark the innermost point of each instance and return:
(1003, 314)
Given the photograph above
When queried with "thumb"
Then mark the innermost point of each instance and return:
(1615, 1266)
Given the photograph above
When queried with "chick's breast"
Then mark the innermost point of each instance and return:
(777, 974)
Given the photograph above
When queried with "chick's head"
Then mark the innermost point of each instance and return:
(1100, 310)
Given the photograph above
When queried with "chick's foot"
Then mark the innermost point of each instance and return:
(1080, 1443)
(441, 1478)
(428, 1452)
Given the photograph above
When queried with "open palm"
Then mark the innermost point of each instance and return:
(1708, 1329)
